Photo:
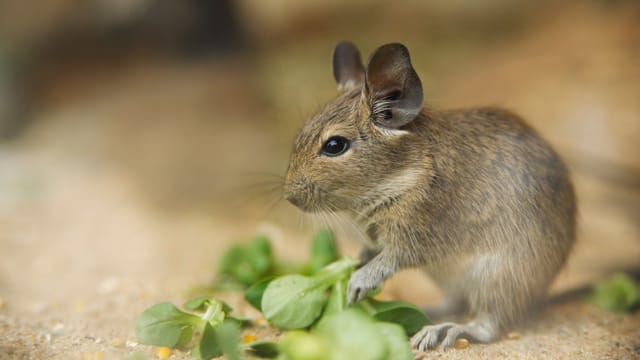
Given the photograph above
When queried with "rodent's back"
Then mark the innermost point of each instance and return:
(499, 188)
(488, 161)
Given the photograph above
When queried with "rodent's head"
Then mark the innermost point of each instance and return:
(361, 145)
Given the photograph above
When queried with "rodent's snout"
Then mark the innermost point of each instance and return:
(296, 192)
(290, 193)
(290, 197)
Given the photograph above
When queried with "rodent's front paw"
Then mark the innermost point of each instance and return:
(361, 282)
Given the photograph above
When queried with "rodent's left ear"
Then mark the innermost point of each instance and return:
(347, 66)
(393, 87)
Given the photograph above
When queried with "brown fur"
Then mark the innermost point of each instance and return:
(475, 197)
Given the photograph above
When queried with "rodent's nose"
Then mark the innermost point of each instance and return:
(290, 197)
(292, 192)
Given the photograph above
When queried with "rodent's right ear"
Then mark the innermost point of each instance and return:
(347, 65)
(393, 87)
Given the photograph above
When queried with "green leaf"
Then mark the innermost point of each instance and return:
(293, 301)
(300, 345)
(238, 320)
(396, 339)
(263, 349)
(196, 304)
(254, 293)
(259, 255)
(619, 293)
(406, 315)
(323, 250)
(209, 346)
(245, 264)
(164, 325)
(228, 335)
(296, 301)
(352, 335)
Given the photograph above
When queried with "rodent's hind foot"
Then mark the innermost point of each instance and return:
(447, 333)
(448, 308)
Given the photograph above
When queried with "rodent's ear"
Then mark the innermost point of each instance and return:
(393, 87)
(347, 66)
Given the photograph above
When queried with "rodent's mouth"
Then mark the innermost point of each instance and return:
(301, 204)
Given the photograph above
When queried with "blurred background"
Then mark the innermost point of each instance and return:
(139, 137)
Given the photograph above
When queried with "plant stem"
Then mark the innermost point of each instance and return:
(335, 271)
(211, 312)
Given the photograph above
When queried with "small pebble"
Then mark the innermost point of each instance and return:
(514, 335)
(57, 329)
(461, 344)
(117, 342)
(131, 344)
(163, 352)
(79, 305)
(249, 338)
(92, 355)
(108, 286)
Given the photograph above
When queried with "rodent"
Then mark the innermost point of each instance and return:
(474, 197)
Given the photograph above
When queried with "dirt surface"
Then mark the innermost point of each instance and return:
(124, 190)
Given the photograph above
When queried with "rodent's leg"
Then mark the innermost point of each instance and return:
(479, 330)
(370, 276)
(366, 254)
(451, 305)
(391, 258)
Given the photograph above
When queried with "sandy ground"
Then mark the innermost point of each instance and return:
(123, 195)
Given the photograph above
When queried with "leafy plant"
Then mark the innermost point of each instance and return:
(406, 315)
(242, 265)
(164, 324)
(254, 293)
(312, 294)
(296, 301)
(263, 349)
(619, 293)
(350, 334)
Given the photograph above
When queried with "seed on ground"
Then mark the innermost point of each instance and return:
(461, 344)
(117, 342)
(514, 335)
(92, 355)
(163, 352)
(249, 338)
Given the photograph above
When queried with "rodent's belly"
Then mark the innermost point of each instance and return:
(454, 274)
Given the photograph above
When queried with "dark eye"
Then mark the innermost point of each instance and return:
(336, 145)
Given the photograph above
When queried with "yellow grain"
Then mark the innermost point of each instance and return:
(249, 338)
(461, 344)
(163, 352)
(514, 335)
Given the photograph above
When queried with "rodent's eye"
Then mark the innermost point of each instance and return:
(336, 145)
